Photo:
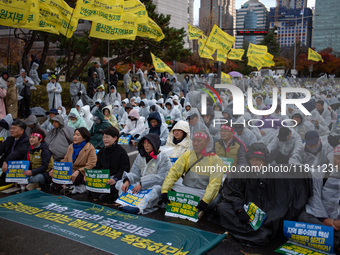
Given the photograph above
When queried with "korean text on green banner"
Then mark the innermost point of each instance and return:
(15, 171)
(96, 180)
(131, 199)
(182, 206)
(104, 228)
(256, 215)
(62, 172)
(290, 248)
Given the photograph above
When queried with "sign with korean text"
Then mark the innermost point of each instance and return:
(104, 228)
(124, 139)
(182, 206)
(96, 180)
(14, 12)
(256, 215)
(290, 248)
(15, 171)
(160, 66)
(62, 172)
(131, 199)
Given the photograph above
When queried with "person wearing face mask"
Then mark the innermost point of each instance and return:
(62, 112)
(186, 84)
(75, 121)
(198, 179)
(54, 93)
(31, 123)
(135, 86)
(99, 124)
(114, 157)
(315, 152)
(147, 172)
(59, 138)
(116, 109)
(134, 125)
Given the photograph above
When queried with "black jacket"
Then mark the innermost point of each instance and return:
(46, 155)
(113, 79)
(165, 87)
(20, 149)
(114, 158)
(92, 84)
(91, 70)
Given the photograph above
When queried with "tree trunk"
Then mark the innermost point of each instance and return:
(87, 58)
(68, 70)
(27, 48)
(44, 54)
(117, 60)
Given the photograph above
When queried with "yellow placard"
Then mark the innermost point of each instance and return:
(150, 30)
(194, 33)
(256, 50)
(14, 12)
(99, 10)
(236, 54)
(127, 29)
(313, 55)
(220, 40)
(160, 66)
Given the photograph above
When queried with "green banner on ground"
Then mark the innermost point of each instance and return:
(104, 228)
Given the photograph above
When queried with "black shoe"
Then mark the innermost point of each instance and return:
(104, 197)
(66, 191)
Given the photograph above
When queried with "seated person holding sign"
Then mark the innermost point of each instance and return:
(134, 125)
(113, 157)
(14, 147)
(41, 161)
(147, 172)
(198, 180)
(83, 155)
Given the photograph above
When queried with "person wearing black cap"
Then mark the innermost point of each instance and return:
(280, 198)
(114, 157)
(77, 89)
(314, 153)
(47, 125)
(244, 134)
(112, 79)
(286, 144)
(147, 172)
(195, 122)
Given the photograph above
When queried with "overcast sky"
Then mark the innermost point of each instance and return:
(268, 3)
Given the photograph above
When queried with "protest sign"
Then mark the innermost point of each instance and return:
(173, 160)
(256, 215)
(290, 248)
(227, 161)
(62, 172)
(96, 180)
(182, 206)
(15, 171)
(124, 139)
(130, 199)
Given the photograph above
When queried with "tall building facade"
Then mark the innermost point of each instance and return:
(290, 28)
(181, 11)
(293, 4)
(326, 25)
(209, 14)
(253, 16)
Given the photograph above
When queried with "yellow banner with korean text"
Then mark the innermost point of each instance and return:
(220, 40)
(255, 62)
(14, 12)
(313, 55)
(222, 56)
(150, 30)
(256, 50)
(236, 54)
(194, 32)
(160, 66)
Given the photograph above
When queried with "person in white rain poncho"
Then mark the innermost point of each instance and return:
(176, 87)
(54, 93)
(179, 139)
(124, 118)
(100, 94)
(87, 116)
(116, 109)
(302, 125)
(171, 113)
(34, 74)
(323, 207)
(76, 89)
(314, 153)
(244, 135)
(122, 109)
(47, 125)
(147, 172)
(24, 84)
(144, 108)
(5, 124)
(150, 89)
(127, 80)
(134, 125)
(113, 96)
(284, 145)
(195, 122)
(321, 108)
(62, 112)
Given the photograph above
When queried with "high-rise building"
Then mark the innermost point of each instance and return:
(289, 26)
(326, 25)
(209, 14)
(293, 4)
(252, 16)
(181, 11)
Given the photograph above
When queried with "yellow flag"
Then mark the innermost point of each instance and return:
(226, 78)
(137, 8)
(269, 56)
(254, 62)
(194, 33)
(150, 30)
(49, 15)
(127, 29)
(256, 50)
(221, 56)
(35, 21)
(14, 12)
(160, 66)
(313, 55)
(266, 62)
(236, 54)
(204, 51)
(220, 40)
(204, 38)
(99, 10)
